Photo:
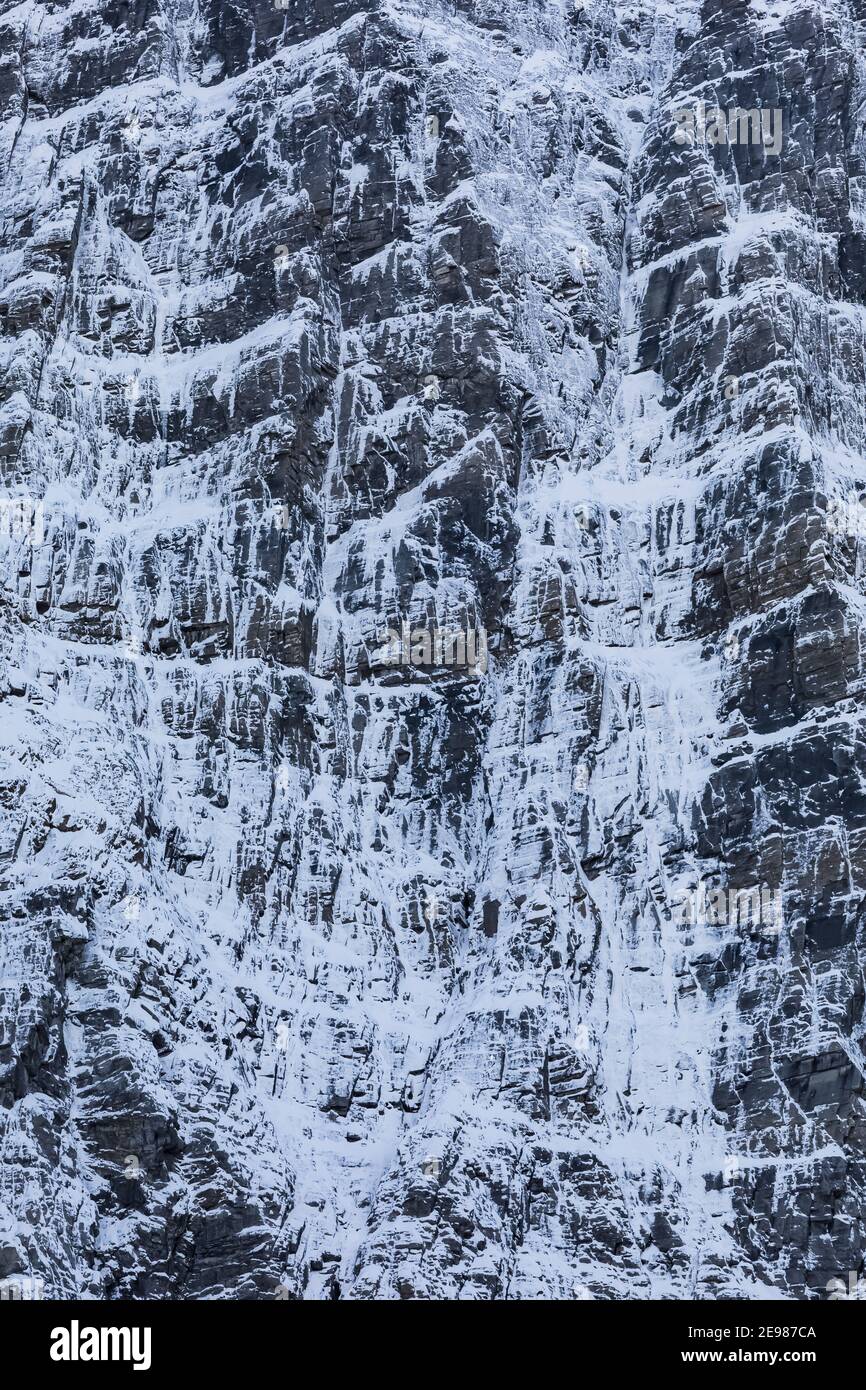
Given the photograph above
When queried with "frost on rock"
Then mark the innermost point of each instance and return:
(330, 970)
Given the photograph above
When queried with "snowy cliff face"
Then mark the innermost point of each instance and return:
(329, 975)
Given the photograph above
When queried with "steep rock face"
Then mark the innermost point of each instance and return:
(328, 976)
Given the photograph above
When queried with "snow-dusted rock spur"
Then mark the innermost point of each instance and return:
(432, 799)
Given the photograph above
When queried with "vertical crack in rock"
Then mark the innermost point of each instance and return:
(432, 818)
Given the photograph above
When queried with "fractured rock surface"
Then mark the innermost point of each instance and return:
(327, 977)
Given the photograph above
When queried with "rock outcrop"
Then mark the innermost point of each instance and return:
(327, 972)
